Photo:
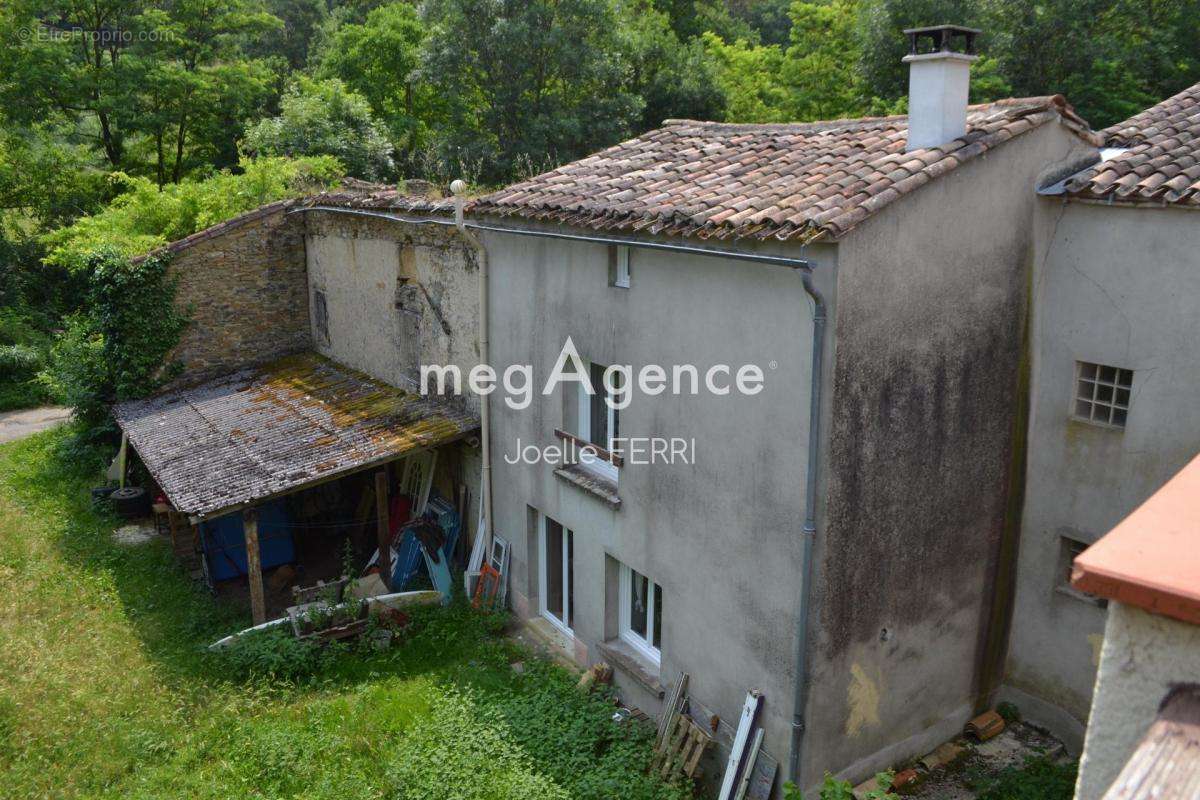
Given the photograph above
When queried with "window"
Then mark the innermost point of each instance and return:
(619, 266)
(599, 422)
(556, 588)
(1068, 550)
(641, 613)
(321, 315)
(1102, 394)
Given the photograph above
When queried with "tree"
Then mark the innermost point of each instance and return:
(378, 60)
(527, 81)
(325, 118)
(673, 78)
(820, 67)
(748, 74)
(145, 78)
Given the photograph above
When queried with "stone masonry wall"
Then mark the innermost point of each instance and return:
(244, 287)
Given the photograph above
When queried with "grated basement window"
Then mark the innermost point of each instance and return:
(1102, 394)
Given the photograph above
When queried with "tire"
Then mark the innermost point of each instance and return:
(101, 493)
(130, 502)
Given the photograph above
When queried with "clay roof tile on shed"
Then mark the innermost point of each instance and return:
(1150, 151)
(784, 181)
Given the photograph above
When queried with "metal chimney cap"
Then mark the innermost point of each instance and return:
(941, 39)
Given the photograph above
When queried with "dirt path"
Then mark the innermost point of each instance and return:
(19, 424)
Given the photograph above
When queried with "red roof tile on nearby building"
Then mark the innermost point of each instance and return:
(1161, 159)
(793, 181)
(1152, 558)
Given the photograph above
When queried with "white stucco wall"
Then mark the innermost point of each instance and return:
(1143, 655)
(1117, 286)
(720, 536)
(398, 296)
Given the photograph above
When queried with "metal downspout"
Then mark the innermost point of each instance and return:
(809, 530)
(485, 417)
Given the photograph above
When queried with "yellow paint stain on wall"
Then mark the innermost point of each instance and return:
(1096, 640)
(863, 701)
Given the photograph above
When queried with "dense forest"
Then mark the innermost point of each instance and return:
(125, 124)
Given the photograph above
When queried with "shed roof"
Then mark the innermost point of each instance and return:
(791, 181)
(1156, 157)
(265, 431)
(1152, 558)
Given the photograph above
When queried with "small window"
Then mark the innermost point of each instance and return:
(599, 422)
(641, 613)
(1068, 550)
(321, 315)
(556, 589)
(619, 270)
(1102, 394)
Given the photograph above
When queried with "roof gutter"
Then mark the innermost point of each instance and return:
(804, 266)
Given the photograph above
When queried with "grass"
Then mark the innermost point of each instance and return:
(107, 690)
(18, 394)
(1039, 778)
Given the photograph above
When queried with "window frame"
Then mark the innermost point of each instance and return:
(643, 645)
(597, 465)
(1112, 407)
(568, 578)
(622, 274)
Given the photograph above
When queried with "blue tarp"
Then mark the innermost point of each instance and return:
(224, 541)
(407, 558)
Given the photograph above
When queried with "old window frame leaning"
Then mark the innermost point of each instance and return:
(565, 568)
(589, 404)
(645, 645)
(1101, 394)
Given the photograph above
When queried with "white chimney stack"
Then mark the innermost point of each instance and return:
(939, 81)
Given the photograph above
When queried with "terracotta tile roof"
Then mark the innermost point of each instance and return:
(1160, 162)
(261, 432)
(376, 197)
(791, 181)
(1166, 763)
(1152, 558)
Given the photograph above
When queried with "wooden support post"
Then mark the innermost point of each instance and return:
(258, 606)
(381, 511)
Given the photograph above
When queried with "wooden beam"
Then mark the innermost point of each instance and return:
(381, 512)
(258, 606)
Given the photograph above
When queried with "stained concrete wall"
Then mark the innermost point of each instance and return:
(1143, 656)
(242, 286)
(397, 295)
(722, 536)
(1113, 286)
(929, 336)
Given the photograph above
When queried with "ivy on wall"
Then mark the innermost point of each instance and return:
(116, 347)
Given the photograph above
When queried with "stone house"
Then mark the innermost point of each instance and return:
(1114, 381)
(832, 537)
(308, 321)
(1143, 735)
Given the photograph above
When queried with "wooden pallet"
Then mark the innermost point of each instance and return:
(681, 749)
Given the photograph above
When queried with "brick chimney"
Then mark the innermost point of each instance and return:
(939, 79)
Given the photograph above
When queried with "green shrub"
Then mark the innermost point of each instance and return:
(144, 216)
(109, 352)
(276, 653)
(324, 118)
(833, 789)
(1039, 778)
